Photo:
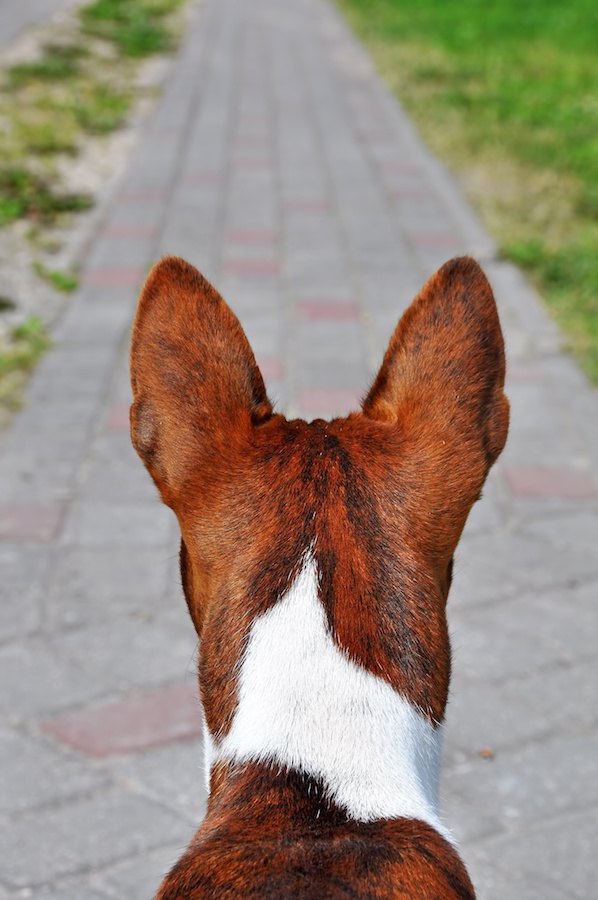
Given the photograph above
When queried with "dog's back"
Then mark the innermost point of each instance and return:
(316, 561)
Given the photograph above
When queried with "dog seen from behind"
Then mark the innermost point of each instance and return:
(316, 561)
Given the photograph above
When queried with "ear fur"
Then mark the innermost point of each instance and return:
(197, 390)
(442, 377)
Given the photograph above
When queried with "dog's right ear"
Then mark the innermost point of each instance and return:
(440, 388)
(197, 390)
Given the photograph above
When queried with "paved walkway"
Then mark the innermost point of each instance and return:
(278, 164)
(18, 15)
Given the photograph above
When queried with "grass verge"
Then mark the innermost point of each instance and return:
(18, 356)
(507, 94)
(136, 27)
(81, 84)
(65, 282)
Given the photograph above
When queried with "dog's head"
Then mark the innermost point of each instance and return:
(379, 498)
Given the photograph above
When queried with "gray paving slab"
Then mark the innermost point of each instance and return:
(86, 834)
(17, 16)
(278, 163)
(41, 775)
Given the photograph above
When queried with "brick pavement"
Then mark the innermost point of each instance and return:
(18, 15)
(280, 166)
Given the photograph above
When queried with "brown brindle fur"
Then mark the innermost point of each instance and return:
(381, 495)
(279, 827)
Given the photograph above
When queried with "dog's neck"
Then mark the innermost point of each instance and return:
(305, 706)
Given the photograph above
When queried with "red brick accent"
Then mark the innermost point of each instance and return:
(410, 193)
(373, 134)
(433, 238)
(202, 178)
(520, 372)
(250, 121)
(130, 231)
(269, 367)
(136, 723)
(118, 417)
(114, 277)
(251, 267)
(307, 205)
(327, 401)
(405, 168)
(38, 523)
(141, 196)
(327, 309)
(252, 163)
(565, 484)
(253, 236)
(254, 140)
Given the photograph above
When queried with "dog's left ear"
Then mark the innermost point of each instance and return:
(197, 390)
(440, 386)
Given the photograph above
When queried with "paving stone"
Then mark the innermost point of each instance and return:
(37, 680)
(251, 267)
(485, 648)
(113, 472)
(173, 774)
(523, 787)
(561, 622)
(338, 341)
(252, 236)
(139, 878)
(43, 845)
(117, 418)
(571, 839)
(326, 309)
(73, 889)
(39, 774)
(112, 277)
(489, 513)
(295, 182)
(315, 375)
(491, 883)
(577, 531)
(511, 562)
(97, 524)
(30, 523)
(41, 473)
(16, 19)
(72, 371)
(93, 322)
(25, 571)
(270, 367)
(95, 584)
(328, 402)
(543, 482)
(135, 723)
(504, 715)
(131, 652)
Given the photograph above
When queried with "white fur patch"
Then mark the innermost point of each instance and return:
(305, 705)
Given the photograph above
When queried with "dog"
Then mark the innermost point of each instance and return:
(316, 560)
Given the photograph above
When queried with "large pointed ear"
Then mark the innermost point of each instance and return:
(442, 376)
(197, 390)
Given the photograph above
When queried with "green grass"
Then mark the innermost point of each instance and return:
(76, 87)
(65, 282)
(101, 109)
(25, 195)
(28, 342)
(136, 27)
(18, 357)
(44, 136)
(82, 83)
(507, 93)
(57, 63)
